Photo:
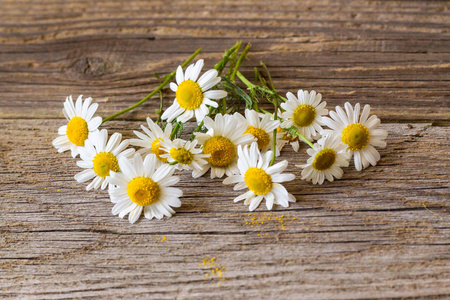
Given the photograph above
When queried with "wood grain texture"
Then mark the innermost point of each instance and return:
(393, 55)
(380, 233)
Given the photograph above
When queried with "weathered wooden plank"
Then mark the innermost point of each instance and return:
(383, 80)
(393, 55)
(384, 230)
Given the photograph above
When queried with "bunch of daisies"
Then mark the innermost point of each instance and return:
(233, 138)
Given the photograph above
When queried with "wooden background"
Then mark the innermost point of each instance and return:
(380, 233)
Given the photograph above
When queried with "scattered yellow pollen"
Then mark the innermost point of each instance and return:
(104, 162)
(182, 155)
(156, 149)
(258, 181)
(143, 191)
(222, 151)
(266, 218)
(263, 138)
(214, 269)
(304, 115)
(160, 239)
(189, 95)
(77, 131)
(356, 136)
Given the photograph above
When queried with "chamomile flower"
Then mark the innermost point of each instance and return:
(261, 180)
(221, 140)
(262, 129)
(100, 156)
(81, 124)
(141, 187)
(304, 112)
(151, 140)
(184, 154)
(358, 133)
(327, 158)
(192, 96)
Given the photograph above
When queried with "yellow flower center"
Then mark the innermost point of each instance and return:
(105, 162)
(262, 136)
(189, 95)
(156, 149)
(304, 115)
(258, 181)
(356, 136)
(143, 191)
(182, 155)
(222, 151)
(77, 131)
(324, 159)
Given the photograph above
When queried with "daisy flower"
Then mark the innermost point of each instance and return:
(100, 156)
(192, 96)
(358, 133)
(327, 158)
(263, 181)
(220, 142)
(262, 129)
(151, 140)
(185, 154)
(304, 112)
(140, 186)
(81, 124)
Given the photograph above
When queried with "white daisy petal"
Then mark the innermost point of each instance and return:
(179, 76)
(215, 94)
(77, 114)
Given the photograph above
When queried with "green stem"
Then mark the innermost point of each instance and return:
(226, 57)
(221, 65)
(239, 62)
(245, 80)
(224, 105)
(168, 78)
(251, 86)
(256, 107)
(293, 129)
(175, 130)
(268, 75)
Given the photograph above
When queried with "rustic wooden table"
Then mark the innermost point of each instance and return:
(380, 233)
